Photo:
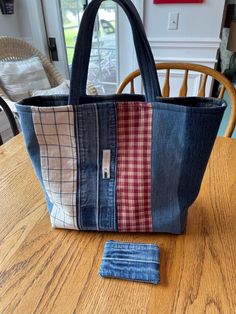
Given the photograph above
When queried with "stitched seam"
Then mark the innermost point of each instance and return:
(130, 260)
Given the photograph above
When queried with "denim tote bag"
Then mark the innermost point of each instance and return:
(126, 163)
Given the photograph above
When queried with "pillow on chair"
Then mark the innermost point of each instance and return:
(19, 77)
(61, 89)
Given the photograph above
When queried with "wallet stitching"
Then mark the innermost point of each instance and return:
(130, 260)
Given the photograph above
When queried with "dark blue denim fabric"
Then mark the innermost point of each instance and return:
(95, 127)
(86, 128)
(31, 144)
(107, 192)
(131, 261)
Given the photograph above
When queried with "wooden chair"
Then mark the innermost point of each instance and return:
(186, 67)
(10, 118)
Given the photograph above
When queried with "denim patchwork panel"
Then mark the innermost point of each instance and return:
(96, 197)
(131, 261)
(107, 184)
(112, 164)
(86, 122)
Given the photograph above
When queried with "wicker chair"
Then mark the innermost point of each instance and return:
(16, 49)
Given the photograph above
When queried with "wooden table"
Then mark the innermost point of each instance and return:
(44, 270)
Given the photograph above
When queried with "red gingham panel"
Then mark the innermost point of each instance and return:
(134, 125)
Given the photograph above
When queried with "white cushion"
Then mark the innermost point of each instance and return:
(62, 89)
(58, 90)
(17, 78)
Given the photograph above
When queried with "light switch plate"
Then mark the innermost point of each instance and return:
(173, 20)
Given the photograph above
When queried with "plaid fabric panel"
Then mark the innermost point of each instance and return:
(54, 128)
(134, 124)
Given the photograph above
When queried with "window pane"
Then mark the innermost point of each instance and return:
(103, 60)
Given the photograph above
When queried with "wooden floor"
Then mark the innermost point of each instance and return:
(43, 270)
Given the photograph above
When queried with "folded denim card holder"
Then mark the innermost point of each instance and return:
(131, 261)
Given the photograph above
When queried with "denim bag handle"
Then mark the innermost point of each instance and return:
(83, 49)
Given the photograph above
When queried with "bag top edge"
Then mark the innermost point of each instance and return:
(179, 104)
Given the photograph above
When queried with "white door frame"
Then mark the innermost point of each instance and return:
(37, 26)
(54, 30)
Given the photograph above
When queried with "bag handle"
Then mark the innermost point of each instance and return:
(83, 46)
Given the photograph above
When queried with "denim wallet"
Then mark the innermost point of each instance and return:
(131, 261)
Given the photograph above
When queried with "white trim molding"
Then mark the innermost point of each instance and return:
(192, 50)
(185, 42)
(189, 60)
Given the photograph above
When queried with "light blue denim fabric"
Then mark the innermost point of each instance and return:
(131, 261)
(184, 131)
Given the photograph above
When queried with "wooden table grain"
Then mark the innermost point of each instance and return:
(44, 270)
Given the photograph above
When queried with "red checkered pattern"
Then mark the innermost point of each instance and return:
(134, 124)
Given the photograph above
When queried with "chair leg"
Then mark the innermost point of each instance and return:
(10, 116)
(1, 141)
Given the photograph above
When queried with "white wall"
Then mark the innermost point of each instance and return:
(16, 24)
(195, 20)
(27, 22)
(9, 25)
(196, 40)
